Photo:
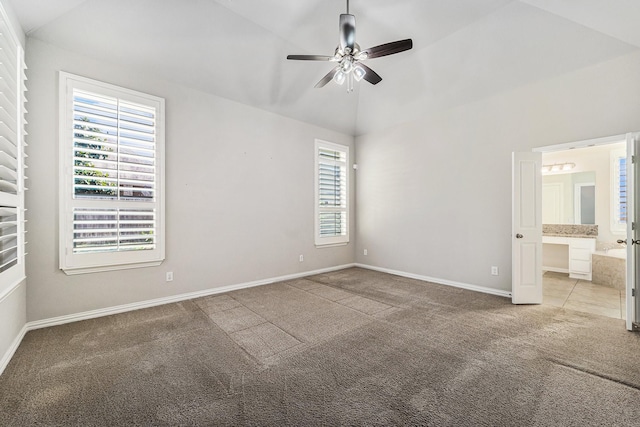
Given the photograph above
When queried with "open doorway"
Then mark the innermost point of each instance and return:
(584, 216)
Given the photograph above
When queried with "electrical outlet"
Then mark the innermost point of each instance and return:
(170, 276)
(301, 258)
(366, 252)
(494, 271)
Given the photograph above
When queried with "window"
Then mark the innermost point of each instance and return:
(112, 175)
(12, 156)
(619, 191)
(332, 194)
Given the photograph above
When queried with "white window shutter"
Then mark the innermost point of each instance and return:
(12, 157)
(332, 193)
(112, 203)
(618, 191)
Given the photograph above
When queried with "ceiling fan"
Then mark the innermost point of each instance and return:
(349, 56)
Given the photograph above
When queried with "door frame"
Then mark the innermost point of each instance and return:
(628, 139)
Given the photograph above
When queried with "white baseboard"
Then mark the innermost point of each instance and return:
(467, 286)
(45, 323)
(12, 349)
(555, 270)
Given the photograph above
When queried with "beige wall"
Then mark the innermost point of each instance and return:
(239, 192)
(434, 195)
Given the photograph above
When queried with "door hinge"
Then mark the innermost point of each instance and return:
(633, 292)
(633, 159)
(633, 225)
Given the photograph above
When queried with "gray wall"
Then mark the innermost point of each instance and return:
(434, 195)
(239, 191)
(12, 306)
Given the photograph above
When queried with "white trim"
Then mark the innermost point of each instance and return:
(581, 144)
(10, 289)
(60, 320)
(556, 269)
(6, 358)
(83, 270)
(467, 286)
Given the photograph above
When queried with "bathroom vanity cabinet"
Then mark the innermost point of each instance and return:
(575, 255)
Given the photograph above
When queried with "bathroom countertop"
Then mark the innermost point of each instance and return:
(570, 230)
(579, 236)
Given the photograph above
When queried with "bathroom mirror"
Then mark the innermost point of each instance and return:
(569, 198)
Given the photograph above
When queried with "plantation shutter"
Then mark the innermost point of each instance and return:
(114, 141)
(620, 205)
(332, 193)
(12, 167)
(114, 159)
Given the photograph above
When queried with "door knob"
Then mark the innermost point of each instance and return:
(519, 236)
(633, 242)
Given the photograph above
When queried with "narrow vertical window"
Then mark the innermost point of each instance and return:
(332, 194)
(619, 191)
(112, 148)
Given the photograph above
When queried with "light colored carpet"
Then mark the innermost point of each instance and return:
(353, 347)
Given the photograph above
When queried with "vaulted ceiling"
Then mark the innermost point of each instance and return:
(464, 50)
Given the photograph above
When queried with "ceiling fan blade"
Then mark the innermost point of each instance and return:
(347, 32)
(371, 76)
(326, 79)
(310, 57)
(388, 48)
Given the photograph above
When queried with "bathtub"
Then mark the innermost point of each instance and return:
(614, 253)
(610, 268)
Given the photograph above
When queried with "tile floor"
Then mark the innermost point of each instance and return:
(561, 291)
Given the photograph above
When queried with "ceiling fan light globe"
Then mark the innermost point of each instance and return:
(346, 66)
(359, 73)
(340, 77)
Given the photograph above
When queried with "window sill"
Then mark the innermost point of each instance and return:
(330, 245)
(104, 268)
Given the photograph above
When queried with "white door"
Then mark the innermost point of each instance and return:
(526, 285)
(633, 210)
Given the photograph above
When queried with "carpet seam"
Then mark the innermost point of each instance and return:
(593, 373)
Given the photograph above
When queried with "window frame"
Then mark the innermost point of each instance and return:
(335, 240)
(80, 263)
(15, 66)
(617, 227)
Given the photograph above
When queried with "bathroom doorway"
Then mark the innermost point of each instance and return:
(585, 202)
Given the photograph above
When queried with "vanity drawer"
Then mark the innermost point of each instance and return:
(580, 266)
(583, 244)
(581, 254)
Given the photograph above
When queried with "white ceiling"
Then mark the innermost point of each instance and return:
(464, 50)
